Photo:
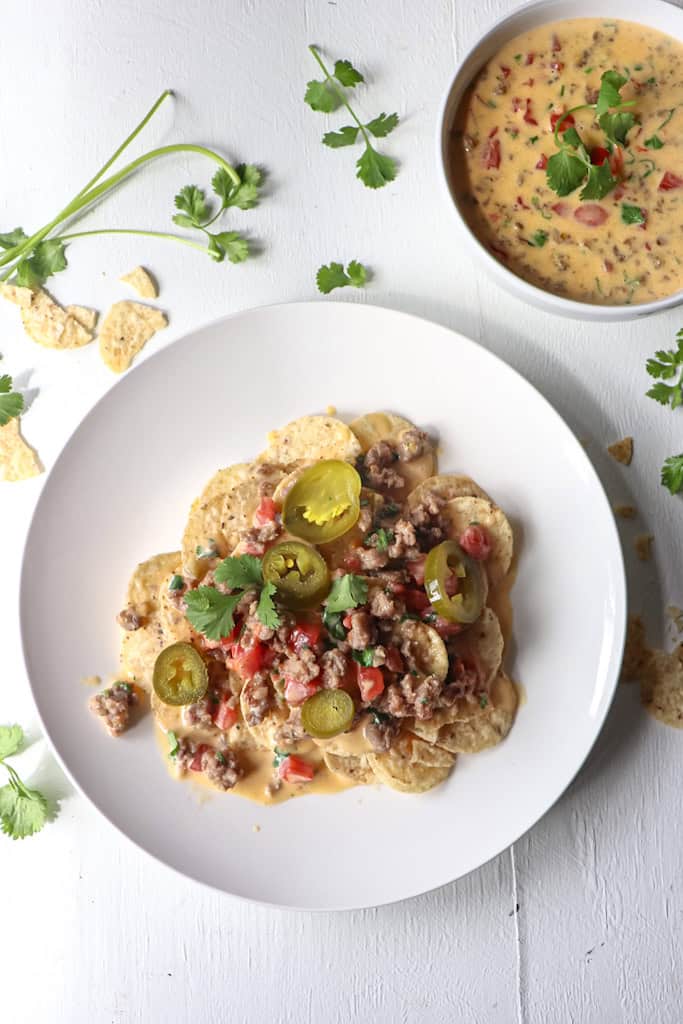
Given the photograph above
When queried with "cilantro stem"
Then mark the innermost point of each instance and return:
(342, 96)
(560, 122)
(133, 231)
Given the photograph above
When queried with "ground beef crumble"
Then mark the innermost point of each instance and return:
(334, 666)
(129, 619)
(361, 631)
(378, 467)
(113, 705)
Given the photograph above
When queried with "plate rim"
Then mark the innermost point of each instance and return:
(620, 617)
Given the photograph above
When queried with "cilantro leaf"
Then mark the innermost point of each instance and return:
(332, 621)
(345, 73)
(241, 571)
(665, 363)
(616, 126)
(374, 169)
(12, 238)
(11, 402)
(572, 138)
(173, 743)
(654, 142)
(48, 258)
(611, 82)
(346, 136)
(176, 582)
(230, 244)
(265, 609)
(11, 738)
(539, 238)
(347, 592)
(382, 125)
(333, 275)
(245, 195)
(666, 394)
(193, 207)
(210, 612)
(321, 96)
(632, 214)
(565, 172)
(365, 657)
(600, 182)
(383, 538)
(672, 473)
(23, 811)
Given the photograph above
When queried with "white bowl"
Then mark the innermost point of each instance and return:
(657, 14)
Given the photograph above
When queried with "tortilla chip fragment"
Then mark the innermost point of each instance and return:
(47, 323)
(86, 317)
(18, 461)
(676, 615)
(643, 545)
(16, 294)
(124, 331)
(662, 687)
(625, 511)
(311, 437)
(636, 651)
(622, 450)
(142, 282)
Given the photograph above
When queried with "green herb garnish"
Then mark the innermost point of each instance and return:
(672, 473)
(654, 142)
(11, 402)
(665, 365)
(176, 582)
(23, 811)
(173, 743)
(538, 239)
(632, 214)
(347, 592)
(365, 657)
(334, 276)
(212, 613)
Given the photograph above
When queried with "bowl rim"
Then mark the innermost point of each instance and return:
(511, 282)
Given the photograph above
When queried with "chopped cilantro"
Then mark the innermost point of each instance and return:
(483, 701)
(332, 621)
(173, 743)
(347, 592)
(654, 142)
(364, 657)
(632, 214)
(210, 551)
(538, 239)
(176, 582)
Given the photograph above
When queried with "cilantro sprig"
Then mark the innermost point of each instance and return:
(34, 258)
(571, 167)
(333, 275)
(374, 169)
(212, 613)
(667, 365)
(11, 402)
(23, 811)
(347, 592)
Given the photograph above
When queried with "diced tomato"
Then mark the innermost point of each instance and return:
(394, 660)
(397, 588)
(591, 214)
(445, 628)
(476, 542)
(506, 71)
(452, 585)
(670, 181)
(528, 116)
(494, 131)
(297, 692)
(305, 634)
(528, 82)
(370, 682)
(416, 600)
(607, 266)
(196, 762)
(556, 65)
(561, 209)
(542, 162)
(556, 44)
(352, 562)
(265, 513)
(521, 205)
(598, 155)
(225, 716)
(416, 568)
(616, 162)
(490, 154)
(642, 149)
(497, 251)
(346, 621)
(251, 547)
(529, 58)
(516, 104)
(228, 641)
(559, 115)
(648, 247)
(247, 661)
(295, 769)
(619, 192)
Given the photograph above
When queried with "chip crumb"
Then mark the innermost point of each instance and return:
(16, 294)
(86, 317)
(585, 441)
(91, 681)
(255, 828)
(18, 461)
(643, 545)
(124, 331)
(625, 511)
(622, 450)
(676, 615)
(331, 410)
(636, 651)
(662, 687)
(47, 323)
(142, 282)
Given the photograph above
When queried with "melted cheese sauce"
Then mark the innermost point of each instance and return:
(557, 243)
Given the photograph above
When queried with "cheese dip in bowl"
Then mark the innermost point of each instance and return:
(562, 148)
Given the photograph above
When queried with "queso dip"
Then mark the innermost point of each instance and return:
(625, 247)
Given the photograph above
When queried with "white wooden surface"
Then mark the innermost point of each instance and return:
(581, 921)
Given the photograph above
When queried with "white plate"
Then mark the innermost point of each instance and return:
(120, 492)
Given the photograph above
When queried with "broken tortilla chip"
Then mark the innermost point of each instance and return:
(125, 329)
(636, 652)
(16, 294)
(86, 317)
(47, 323)
(662, 687)
(622, 450)
(18, 461)
(643, 545)
(142, 282)
(625, 511)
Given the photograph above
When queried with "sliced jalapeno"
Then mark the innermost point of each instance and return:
(324, 503)
(299, 573)
(327, 713)
(448, 559)
(180, 675)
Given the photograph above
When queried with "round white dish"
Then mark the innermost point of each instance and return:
(120, 492)
(658, 14)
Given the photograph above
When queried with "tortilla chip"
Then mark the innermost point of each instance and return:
(47, 323)
(16, 294)
(636, 651)
(265, 733)
(462, 512)
(125, 330)
(488, 727)
(142, 282)
(18, 461)
(353, 767)
(622, 450)
(662, 687)
(422, 648)
(446, 486)
(141, 647)
(482, 643)
(311, 437)
(625, 511)
(386, 426)
(411, 765)
(86, 317)
(143, 586)
(643, 545)
(174, 623)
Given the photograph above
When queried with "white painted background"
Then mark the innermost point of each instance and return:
(93, 931)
